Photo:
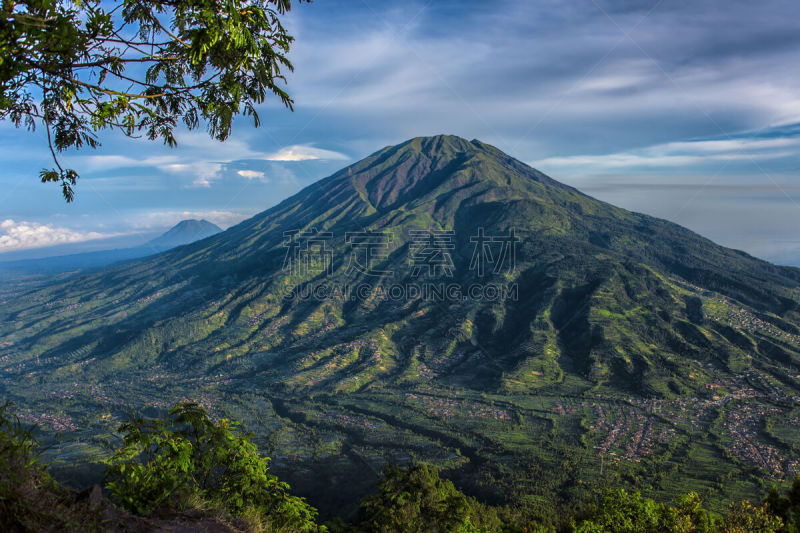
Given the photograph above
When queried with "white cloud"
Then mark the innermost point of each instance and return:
(678, 154)
(176, 167)
(629, 74)
(201, 182)
(26, 235)
(108, 161)
(625, 160)
(548, 74)
(203, 159)
(304, 153)
(250, 174)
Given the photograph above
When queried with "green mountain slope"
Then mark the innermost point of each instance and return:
(617, 338)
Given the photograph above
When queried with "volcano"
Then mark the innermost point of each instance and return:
(438, 300)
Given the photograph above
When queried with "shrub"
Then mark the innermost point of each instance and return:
(19, 473)
(417, 499)
(623, 512)
(30, 500)
(787, 507)
(185, 459)
(746, 518)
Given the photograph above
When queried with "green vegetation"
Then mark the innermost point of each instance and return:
(417, 499)
(186, 459)
(178, 471)
(28, 495)
(622, 512)
(185, 465)
(786, 506)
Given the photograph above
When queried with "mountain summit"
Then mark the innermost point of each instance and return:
(413, 169)
(184, 232)
(462, 306)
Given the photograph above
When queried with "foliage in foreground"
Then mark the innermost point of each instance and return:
(185, 460)
(417, 499)
(16, 465)
(786, 506)
(622, 512)
(137, 67)
(30, 500)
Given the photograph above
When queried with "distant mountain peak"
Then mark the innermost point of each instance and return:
(193, 223)
(185, 232)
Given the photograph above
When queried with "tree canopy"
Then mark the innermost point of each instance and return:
(140, 67)
(417, 499)
(185, 458)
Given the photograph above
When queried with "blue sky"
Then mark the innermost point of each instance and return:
(681, 109)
